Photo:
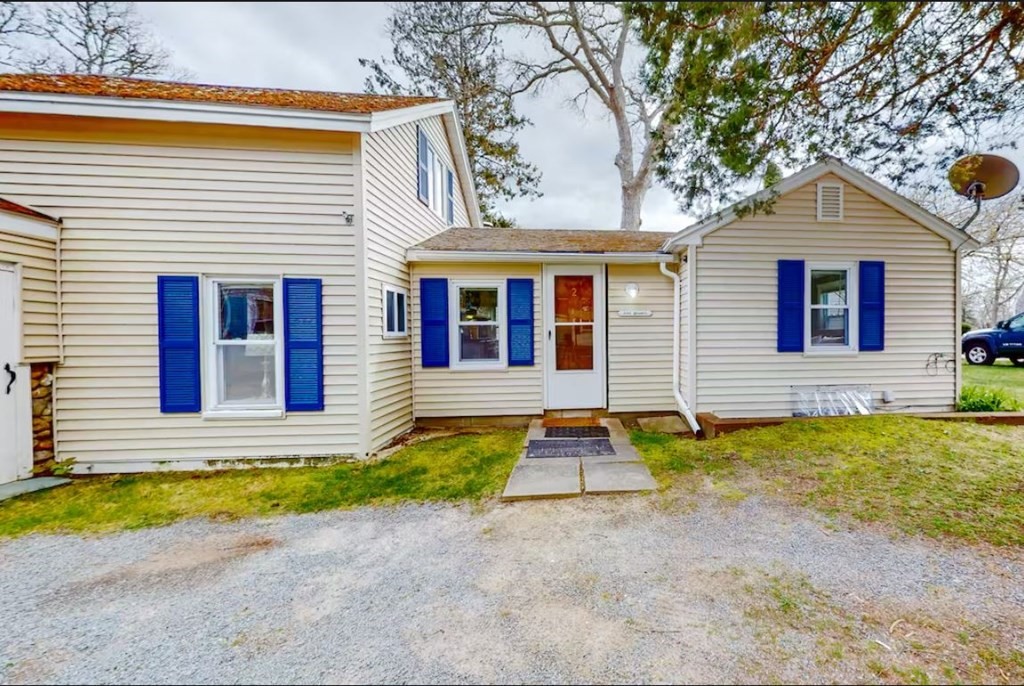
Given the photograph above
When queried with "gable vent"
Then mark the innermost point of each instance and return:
(830, 202)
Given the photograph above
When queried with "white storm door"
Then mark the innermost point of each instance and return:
(574, 337)
(14, 383)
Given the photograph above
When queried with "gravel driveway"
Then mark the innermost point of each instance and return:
(632, 589)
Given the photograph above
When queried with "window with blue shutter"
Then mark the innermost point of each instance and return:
(872, 306)
(434, 322)
(790, 331)
(451, 198)
(178, 340)
(303, 345)
(422, 166)
(520, 322)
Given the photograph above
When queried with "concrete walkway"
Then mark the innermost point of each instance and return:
(568, 477)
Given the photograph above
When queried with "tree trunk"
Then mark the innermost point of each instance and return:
(632, 202)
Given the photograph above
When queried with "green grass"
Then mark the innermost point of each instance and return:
(455, 468)
(936, 478)
(1002, 375)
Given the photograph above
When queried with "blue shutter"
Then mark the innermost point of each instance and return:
(872, 305)
(520, 322)
(303, 345)
(434, 322)
(178, 338)
(451, 198)
(791, 306)
(422, 175)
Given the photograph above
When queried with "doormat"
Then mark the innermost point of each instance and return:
(576, 432)
(571, 447)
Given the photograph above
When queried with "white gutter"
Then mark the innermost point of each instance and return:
(680, 401)
(419, 255)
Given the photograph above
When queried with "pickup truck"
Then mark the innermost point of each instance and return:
(983, 346)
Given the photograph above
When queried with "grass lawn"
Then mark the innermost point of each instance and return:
(1002, 375)
(931, 477)
(454, 468)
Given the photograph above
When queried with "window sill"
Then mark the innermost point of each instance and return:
(271, 413)
(394, 336)
(845, 352)
(490, 367)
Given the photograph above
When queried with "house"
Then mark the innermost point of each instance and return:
(202, 276)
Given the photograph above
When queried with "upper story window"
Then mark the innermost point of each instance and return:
(831, 307)
(435, 181)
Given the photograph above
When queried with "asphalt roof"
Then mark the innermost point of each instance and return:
(546, 240)
(145, 89)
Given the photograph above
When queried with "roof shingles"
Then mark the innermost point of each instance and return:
(144, 89)
(546, 241)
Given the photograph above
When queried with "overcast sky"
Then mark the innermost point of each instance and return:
(317, 45)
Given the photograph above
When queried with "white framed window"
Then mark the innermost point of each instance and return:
(395, 321)
(830, 316)
(245, 363)
(478, 323)
(437, 185)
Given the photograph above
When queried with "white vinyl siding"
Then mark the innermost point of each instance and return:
(446, 392)
(38, 260)
(138, 200)
(640, 348)
(396, 220)
(739, 371)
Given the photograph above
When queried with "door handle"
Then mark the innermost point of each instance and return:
(7, 368)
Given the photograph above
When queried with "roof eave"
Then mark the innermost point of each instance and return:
(32, 227)
(694, 235)
(185, 111)
(425, 255)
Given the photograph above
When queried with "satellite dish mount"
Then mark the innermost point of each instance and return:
(982, 177)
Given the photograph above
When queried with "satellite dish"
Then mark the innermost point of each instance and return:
(983, 177)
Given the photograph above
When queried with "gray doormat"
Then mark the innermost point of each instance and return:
(555, 447)
(576, 432)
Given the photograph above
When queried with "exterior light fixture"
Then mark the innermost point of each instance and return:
(632, 290)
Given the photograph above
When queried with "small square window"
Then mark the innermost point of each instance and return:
(395, 303)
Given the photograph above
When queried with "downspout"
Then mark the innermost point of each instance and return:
(684, 408)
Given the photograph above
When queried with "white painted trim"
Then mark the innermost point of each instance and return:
(958, 373)
(193, 464)
(600, 274)
(362, 283)
(694, 234)
(22, 388)
(454, 322)
(842, 201)
(684, 407)
(22, 225)
(852, 309)
(209, 321)
(19, 315)
(463, 168)
(420, 255)
(386, 288)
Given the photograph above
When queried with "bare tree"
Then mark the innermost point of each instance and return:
(593, 41)
(13, 26)
(993, 274)
(94, 38)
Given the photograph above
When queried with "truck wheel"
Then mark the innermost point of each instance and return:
(978, 353)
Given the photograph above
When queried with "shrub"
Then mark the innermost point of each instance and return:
(981, 399)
